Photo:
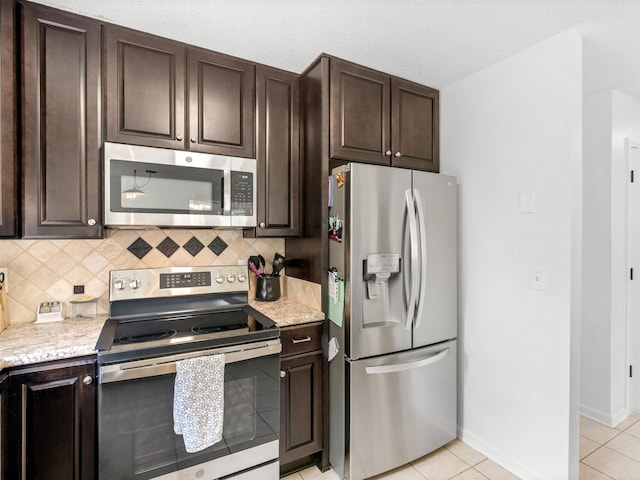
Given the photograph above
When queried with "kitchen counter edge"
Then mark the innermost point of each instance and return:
(31, 343)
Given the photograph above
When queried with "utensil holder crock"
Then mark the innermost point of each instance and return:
(268, 288)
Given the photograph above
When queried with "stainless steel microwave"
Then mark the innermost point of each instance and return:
(145, 186)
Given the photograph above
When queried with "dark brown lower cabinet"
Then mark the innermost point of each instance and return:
(301, 397)
(51, 421)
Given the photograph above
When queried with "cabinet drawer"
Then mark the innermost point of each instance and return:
(300, 339)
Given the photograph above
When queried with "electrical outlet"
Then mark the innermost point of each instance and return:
(4, 277)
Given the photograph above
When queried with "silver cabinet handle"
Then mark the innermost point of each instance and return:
(283, 374)
(262, 225)
(88, 380)
(388, 153)
(91, 222)
(179, 137)
(301, 340)
(398, 155)
(194, 139)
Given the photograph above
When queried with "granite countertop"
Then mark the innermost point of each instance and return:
(286, 313)
(29, 343)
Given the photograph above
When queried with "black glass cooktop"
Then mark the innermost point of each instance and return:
(139, 338)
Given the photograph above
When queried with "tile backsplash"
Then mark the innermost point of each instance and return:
(45, 270)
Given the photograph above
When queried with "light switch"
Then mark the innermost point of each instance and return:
(527, 202)
(537, 278)
(4, 278)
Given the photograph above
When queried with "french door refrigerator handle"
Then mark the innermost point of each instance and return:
(401, 367)
(423, 257)
(413, 230)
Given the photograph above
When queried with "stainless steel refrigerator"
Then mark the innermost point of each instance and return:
(393, 255)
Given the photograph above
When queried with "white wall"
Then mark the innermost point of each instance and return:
(511, 128)
(609, 118)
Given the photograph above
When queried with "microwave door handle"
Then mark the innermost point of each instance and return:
(226, 193)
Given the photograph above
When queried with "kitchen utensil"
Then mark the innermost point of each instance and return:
(278, 264)
(255, 261)
(253, 268)
(261, 258)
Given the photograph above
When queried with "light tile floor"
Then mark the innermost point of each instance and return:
(605, 454)
(610, 453)
(455, 461)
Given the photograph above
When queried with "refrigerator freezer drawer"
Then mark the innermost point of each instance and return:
(402, 406)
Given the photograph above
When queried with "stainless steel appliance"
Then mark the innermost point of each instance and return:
(158, 317)
(393, 235)
(145, 186)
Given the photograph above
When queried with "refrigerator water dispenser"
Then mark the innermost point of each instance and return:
(378, 269)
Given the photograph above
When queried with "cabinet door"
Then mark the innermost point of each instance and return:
(301, 404)
(278, 153)
(360, 117)
(8, 158)
(51, 423)
(145, 89)
(221, 104)
(414, 126)
(61, 134)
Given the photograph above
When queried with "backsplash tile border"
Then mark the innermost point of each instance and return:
(45, 270)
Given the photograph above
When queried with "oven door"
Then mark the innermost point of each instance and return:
(136, 436)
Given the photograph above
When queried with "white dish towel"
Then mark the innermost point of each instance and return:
(198, 401)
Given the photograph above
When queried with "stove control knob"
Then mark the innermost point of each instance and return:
(219, 279)
(119, 284)
(231, 278)
(134, 283)
(241, 277)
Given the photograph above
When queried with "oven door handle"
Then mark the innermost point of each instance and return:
(154, 367)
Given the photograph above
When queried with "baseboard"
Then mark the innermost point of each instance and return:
(604, 418)
(498, 456)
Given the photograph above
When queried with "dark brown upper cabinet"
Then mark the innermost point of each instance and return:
(9, 213)
(144, 89)
(278, 153)
(221, 104)
(61, 124)
(161, 93)
(376, 118)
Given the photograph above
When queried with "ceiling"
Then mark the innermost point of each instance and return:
(433, 42)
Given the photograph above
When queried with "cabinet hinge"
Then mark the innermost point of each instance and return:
(630, 371)
(631, 274)
(632, 179)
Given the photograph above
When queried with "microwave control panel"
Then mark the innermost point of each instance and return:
(241, 194)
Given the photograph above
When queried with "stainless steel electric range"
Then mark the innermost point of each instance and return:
(158, 317)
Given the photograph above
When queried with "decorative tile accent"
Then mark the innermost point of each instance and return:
(193, 246)
(139, 248)
(168, 247)
(45, 270)
(217, 246)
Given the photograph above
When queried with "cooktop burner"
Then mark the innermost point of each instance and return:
(206, 329)
(147, 337)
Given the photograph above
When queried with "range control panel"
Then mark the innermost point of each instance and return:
(168, 282)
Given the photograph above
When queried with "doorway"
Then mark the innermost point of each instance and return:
(633, 282)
